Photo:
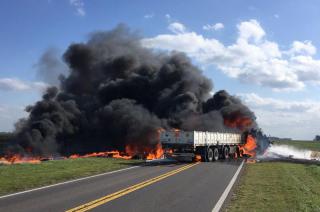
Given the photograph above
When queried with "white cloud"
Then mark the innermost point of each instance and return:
(79, 6)
(271, 104)
(305, 48)
(251, 58)
(250, 30)
(276, 16)
(177, 28)
(9, 115)
(285, 118)
(148, 16)
(12, 109)
(213, 27)
(14, 84)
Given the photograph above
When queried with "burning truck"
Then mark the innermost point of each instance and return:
(206, 146)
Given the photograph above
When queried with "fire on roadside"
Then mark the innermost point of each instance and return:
(129, 153)
(18, 159)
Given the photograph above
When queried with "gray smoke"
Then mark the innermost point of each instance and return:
(50, 67)
(119, 93)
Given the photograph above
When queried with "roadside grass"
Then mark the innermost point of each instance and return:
(311, 145)
(278, 186)
(20, 177)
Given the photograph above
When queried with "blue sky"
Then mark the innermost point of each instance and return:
(263, 51)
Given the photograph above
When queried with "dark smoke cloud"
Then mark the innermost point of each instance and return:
(119, 93)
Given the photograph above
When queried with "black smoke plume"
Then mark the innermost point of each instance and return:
(119, 93)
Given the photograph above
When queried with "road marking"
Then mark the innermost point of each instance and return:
(66, 182)
(108, 198)
(224, 195)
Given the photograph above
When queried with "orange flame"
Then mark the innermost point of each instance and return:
(249, 147)
(18, 159)
(130, 152)
(157, 153)
(112, 154)
(197, 158)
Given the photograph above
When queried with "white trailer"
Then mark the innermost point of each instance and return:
(211, 146)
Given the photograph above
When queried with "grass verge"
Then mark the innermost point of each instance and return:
(20, 177)
(277, 186)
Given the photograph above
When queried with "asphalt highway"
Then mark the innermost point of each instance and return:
(156, 187)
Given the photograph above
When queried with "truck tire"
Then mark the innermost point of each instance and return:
(215, 154)
(225, 153)
(210, 155)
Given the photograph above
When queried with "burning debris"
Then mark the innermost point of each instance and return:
(18, 159)
(117, 95)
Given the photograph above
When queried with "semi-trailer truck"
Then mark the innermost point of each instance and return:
(211, 146)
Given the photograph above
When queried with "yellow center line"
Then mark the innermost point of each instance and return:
(108, 198)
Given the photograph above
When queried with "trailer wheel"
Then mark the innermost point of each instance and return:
(210, 155)
(215, 154)
(225, 153)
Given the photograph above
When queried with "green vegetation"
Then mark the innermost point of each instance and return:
(311, 145)
(278, 186)
(25, 176)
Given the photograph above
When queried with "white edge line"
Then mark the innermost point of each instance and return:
(223, 197)
(66, 182)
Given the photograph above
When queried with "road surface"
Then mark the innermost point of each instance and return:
(164, 187)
